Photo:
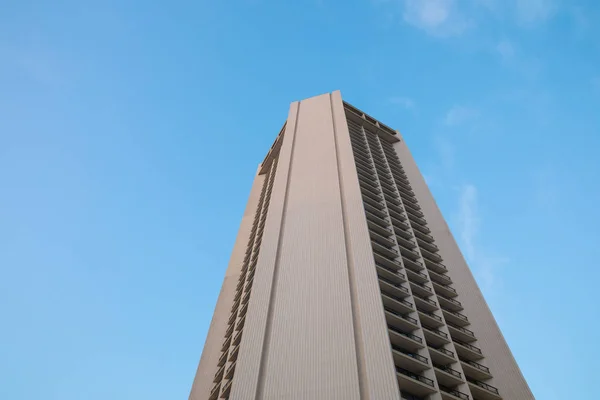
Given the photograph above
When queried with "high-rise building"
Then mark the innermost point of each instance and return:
(345, 281)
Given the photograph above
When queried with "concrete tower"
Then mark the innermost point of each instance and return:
(345, 281)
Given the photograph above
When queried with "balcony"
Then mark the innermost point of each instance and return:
(435, 267)
(452, 394)
(411, 264)
(214, 393)
(403, 233)
(402, 225)
(237, 338)
(219, 375)
(417, 277)
(482, 390)
(394, 289)
(447, 376)
(421, 290)
(378, 220)
(375, 210)
(444, 290)
(431, 256)
(448, 304)
(425, 304)
(370, 186)
(428, 246)
(441, 356)
(230, 371)
(229, 331)
(226, 344)
(372, 202)
(460, 333)
(409, 253)
(240, 324)
(397, 305)
(417, 221)
(382, 240)
(234, 353)
(406, 340)
(435, 337)
(384, 251)
(395, 214)
(390, 275)
(408, 244)
(424, 237)
(455, 318)
(430, 319)
(408, 396)
(226, 390)
(399, 321)
(421, 228)
(410, 361)
(406, 192)
(385, 261)
(413, 207)
(222, 359)
(372, 195)
(439, 278)
(475, 370)
(376, 227)
(410, 209)
(414, 383)
(467, 351)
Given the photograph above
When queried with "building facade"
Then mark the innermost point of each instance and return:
(345, 281)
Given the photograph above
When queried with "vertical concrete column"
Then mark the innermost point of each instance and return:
(377, 374)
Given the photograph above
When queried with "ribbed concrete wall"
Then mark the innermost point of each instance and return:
(310, 349)
(203, 382)
(498, 357)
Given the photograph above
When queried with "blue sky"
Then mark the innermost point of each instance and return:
(130, 132)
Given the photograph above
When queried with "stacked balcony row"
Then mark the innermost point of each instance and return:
(454, 321)
(226, 365)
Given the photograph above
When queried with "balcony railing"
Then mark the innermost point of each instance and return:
(444, 278)
(399, 300)
(436, 317)
(417, 377)
(443, 350)
(483, 385)
(427, 288)
(451, 289)
(436, 331)
(394, 284)
(460, 328)
(457, 315)
(408, 335)
(468, 346)
(406, 317)
(454, 392)
(408, 353)
(433, 303)
(477, 365)
(450, 371)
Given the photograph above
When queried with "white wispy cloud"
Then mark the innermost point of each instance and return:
(436, 17)
(404, 102)
(469, 222)
(460, 114)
